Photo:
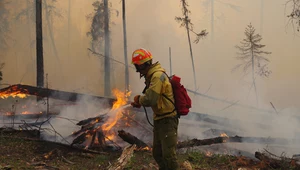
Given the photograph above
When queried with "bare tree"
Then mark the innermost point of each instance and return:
(252, 56)
(294, 16)
(185, 21)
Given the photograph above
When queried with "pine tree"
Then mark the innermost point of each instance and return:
(252, 56)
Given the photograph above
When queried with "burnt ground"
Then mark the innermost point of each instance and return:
(21, 153)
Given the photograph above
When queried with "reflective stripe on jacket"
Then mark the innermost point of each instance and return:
(159, 84)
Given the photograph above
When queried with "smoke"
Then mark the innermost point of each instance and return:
(71, 113)
(156, 30)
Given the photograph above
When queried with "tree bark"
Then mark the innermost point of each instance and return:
(125, 46)
(39, 45)
(107, 89)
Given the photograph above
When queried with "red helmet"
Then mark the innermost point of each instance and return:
(141, 56)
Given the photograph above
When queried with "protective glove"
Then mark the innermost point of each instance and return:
(136, 102)
(137, 99)
(133, 104)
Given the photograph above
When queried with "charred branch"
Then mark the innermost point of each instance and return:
(127, 137)
(276, 163)
(89, 120)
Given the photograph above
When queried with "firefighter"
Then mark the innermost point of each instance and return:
(158, 89)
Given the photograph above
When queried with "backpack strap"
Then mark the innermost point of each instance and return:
(147, 86)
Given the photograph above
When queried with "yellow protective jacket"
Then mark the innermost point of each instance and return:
(158, 83)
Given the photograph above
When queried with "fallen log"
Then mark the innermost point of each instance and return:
(123, 159)
(59, 145)
(197, 142)
(45, 92)
(33, 133)
(127, 137)
(226, 139)
(283, 163)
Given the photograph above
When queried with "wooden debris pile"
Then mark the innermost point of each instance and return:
(92, 134)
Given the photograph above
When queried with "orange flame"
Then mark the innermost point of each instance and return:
(146, 149)
(208, 153)
(13, 92)
(115, 112)
(223, 135)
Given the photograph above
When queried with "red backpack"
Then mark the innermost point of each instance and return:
(183, 102)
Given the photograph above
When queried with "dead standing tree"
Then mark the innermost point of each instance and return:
(251, 55)
(186, 22)
(294, 16)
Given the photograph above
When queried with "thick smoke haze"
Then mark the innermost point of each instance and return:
(152, 25)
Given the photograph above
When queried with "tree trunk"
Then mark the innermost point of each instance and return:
(253, 79)
(125, 47)
(107, 90)
(212, 20)
(69, 27)
(39, 45)
(191, 53)
(262, 17)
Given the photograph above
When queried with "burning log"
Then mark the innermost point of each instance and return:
(23, 90)
(276, 163)
(226, 139)
(91, 120)
(124, 158)
(90, 127)
(127, 137)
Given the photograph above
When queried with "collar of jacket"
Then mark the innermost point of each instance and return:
(154, 68)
